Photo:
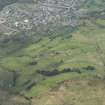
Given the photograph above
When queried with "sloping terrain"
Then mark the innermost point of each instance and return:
(74, 92)
(51, 62)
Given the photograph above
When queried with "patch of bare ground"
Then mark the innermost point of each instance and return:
(74, 92)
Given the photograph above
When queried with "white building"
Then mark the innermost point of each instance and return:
(2, 20)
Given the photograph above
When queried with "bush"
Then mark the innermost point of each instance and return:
(89, 68)
(56, 72)
(48, 73)
(33, 63)
(71, 70)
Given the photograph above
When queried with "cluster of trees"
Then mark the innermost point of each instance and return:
(56, 71)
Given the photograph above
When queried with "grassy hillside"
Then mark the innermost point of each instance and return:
(66, 67)
(78, 53)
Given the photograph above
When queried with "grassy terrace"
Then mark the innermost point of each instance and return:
(77, 51)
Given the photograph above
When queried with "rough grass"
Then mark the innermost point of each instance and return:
(78, 51)
(68, 48)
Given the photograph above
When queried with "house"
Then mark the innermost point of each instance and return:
(2, 20)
